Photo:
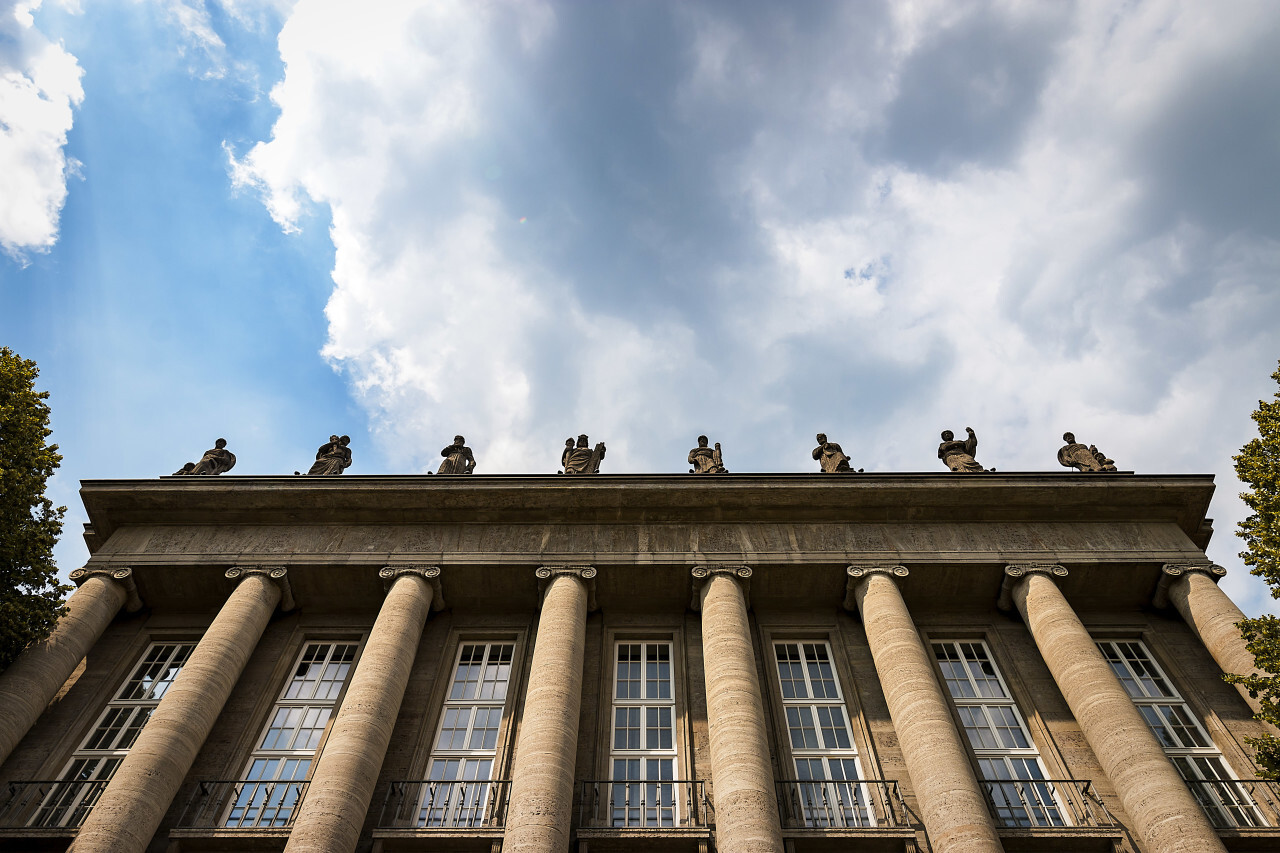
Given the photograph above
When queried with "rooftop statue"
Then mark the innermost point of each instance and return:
(333, 457)
(1086, 459)
(581, 459)
(457, 458)
(705, 460)
(831, 457)
(217, 460)
(958, 455)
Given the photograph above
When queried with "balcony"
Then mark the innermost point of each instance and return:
(828, 814)
(1051, 814)
(46, 814)
(431, 815)
(248, 813)
(614, 815)
(1246, 812)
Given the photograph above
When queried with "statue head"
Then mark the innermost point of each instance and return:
(345, 440)
(459, 440)
(947, 435)
(702, 441)
(220, 443)
(1069, 437)
(582, 440)
(568, 442)
(822, 438)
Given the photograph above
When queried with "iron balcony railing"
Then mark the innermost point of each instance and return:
(840, 803)
(619, 804)
(1235, 803)
(428, 804)
(50, 804)
(1033, 803)
(249, 804)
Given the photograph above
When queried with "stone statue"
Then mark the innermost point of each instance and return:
(958, 455)
(705, 460)
(217, 460)
(1086, 459)
(831, 457)
(333, 457)
(581, 459)
(457, 458)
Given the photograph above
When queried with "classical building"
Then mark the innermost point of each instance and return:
(743, 663)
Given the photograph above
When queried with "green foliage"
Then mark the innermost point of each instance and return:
(30, 595)
(1258, 464)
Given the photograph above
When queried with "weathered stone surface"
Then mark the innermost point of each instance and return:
(958, 455)
(706, 460)
(216, 460)
(581, 459)
(1088, 459)
(830, 456)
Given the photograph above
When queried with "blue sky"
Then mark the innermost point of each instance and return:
(273, 221)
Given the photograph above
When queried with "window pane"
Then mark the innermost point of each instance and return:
(790, 671)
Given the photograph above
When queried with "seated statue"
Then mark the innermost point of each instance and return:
(217, 460)
(581, 459)
(705, 460)
(831, 457)
(333, 457)
(958, 455)
(1085, 459)
(457, 458)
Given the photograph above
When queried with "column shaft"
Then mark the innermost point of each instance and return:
(333, 812)
(542, 780)
(1213, 616)
(1164, 813)
(127, 815)
(952, 805)
(742, 778)
(30, 683)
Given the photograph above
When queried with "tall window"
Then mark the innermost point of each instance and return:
(94, 763)
(642, 791)
(1008, 763)
(1184, 740)
(272, 784)
(827, 791)
(457, 790)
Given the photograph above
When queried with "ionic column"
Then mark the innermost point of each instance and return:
(542, 779)
(1166, 816)
(741, 775)
(129, 811)
(951, 802)
(30, 683)
(1193, 590)
(333, 811)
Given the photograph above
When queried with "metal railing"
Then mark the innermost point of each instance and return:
(608, 803)
(50, 803)
(1032, 803)
(840, 803)
(248, 804)
(430, 804)
(1233, 803)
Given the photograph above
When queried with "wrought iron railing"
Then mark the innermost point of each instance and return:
(430, 804)
(243, 804)
(1237, 803)
(1032, 803)
(50, 803)
(840, 803)
(608, 803)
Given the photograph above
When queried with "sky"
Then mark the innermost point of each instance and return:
(272, 221)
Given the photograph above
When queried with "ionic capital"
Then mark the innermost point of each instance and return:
(278, 574)
(430, 574)
(702, 573)
(585, 574)
(857, 574)
(122, 576)
(1014, 572)
(1171, 572)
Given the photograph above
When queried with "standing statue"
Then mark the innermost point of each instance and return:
(705, 460)
(581, 459)
(958, 455)
(1086, 459)
(457, 458)
(333, 457)
(831, 457)
(217, 460)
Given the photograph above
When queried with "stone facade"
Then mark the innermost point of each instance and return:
(631, 663)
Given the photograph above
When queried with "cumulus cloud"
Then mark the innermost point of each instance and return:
(39, 89)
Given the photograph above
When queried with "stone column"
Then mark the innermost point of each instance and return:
(951, 802)
(1193, 589)
(129, 811)
(30, 683)
(333, 811)
(1165, 815)
(541, 806)
(741, 775)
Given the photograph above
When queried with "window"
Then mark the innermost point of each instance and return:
(94, 763)
(642, 790)
(827, 790)
(274, 780)
(1184, 740)
(1008, 763)
(461, 767)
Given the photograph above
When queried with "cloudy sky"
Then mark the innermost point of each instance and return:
(273, 221)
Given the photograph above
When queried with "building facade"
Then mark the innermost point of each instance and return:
(742, 663)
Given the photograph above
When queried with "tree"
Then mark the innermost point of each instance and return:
(1258, 464)
(30, 595)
